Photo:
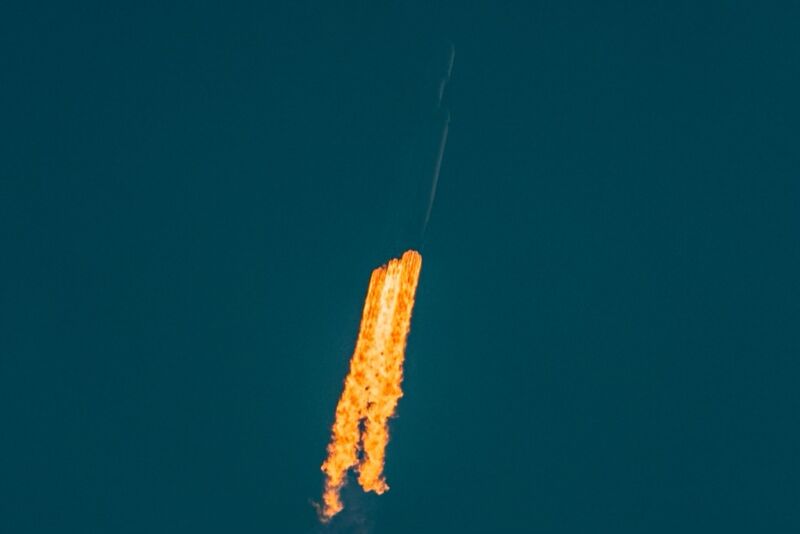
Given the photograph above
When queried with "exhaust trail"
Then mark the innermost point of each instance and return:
(373, 385)
(443, 141)
(436, 169)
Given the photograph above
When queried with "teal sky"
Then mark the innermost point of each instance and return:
(607, 327)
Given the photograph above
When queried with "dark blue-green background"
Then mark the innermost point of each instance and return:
(606, 330)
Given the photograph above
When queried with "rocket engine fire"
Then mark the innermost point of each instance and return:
(372, 387)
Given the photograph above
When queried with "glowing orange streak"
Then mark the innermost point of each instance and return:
(384, 400)
(372, 388)
(342, 450)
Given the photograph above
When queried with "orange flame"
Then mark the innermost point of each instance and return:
(372, 388)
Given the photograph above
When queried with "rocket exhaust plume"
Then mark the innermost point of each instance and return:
(372, 387)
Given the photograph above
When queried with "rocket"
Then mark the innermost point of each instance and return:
(451, 55)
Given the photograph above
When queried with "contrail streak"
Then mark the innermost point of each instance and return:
(372, 387)
(436, 170)
(440, 94)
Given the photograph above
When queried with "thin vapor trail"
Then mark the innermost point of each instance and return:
(436, 169)
(443, 141)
